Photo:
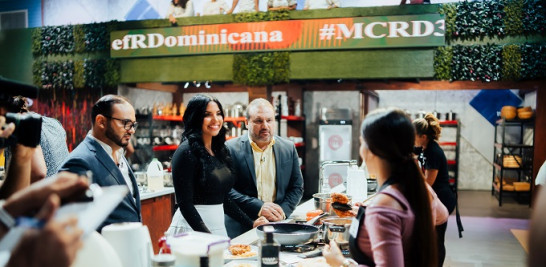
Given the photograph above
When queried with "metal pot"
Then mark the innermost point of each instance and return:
(337, 229)
(322, 201)
(290, 233)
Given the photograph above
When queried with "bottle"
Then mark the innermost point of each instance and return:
(357, 186)
(269, 249)
(297, 108)
(155, 175)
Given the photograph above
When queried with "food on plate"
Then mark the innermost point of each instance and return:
(313, 213)
(314, 262)
(239, 249)
(244, 265)
(339, 198)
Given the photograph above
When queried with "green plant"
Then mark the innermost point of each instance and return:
(258, 69)
(477, 62)
(57, 75)
(443, 57)
(111, 74)
(262, 16)
(449, 10)
(79, 76)
(79, 38)
(512, 21)
(534, 17)
(511, 62)
(37, 68)
(57, 40)
(97, 37)
(533, 61)
(94, 70)
(479, 19)
(36, 41)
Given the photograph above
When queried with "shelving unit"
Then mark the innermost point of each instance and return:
(295, 127)
(512, 157)
(452, 164)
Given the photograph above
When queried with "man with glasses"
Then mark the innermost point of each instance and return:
(102, 153)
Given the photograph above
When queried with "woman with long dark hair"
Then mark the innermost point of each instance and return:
(434, 166)
(202, 172)
(396, 227)
(178, 9)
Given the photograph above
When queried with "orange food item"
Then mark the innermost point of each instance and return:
(343, 214)
(313, 213)
(339, 198)
(238, 249)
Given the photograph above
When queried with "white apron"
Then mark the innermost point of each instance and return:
(212, 216)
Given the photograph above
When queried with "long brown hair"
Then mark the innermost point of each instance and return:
(390, 135)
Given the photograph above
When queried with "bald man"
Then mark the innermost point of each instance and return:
(268, 176)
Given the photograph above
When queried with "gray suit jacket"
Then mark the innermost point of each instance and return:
(89, 155)
(289, 181)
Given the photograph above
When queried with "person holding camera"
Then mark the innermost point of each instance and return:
(102, 152)
(52, 151)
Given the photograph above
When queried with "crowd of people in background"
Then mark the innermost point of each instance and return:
(186, 8)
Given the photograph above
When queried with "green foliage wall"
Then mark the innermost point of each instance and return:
(257, 69)
(52, 45)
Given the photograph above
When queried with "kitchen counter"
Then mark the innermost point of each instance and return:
(157, 209)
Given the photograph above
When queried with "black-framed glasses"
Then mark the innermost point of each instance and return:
(127, 124)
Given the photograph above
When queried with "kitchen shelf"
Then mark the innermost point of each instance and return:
(293, 118)
(235, 120)
(524, 152)
(499, 145)
(447, 143)
(453, 164)
(167, 118)
(452, 122)
(165, 147)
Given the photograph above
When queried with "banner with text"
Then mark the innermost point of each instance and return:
(316, 34)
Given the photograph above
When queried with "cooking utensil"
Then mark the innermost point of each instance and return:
(290, 233)
(322, 201)
(342, 207)
(337, 229)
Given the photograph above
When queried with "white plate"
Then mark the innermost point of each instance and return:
(253, 249)
(244, 263)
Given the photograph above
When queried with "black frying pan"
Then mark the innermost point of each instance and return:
(290, 233)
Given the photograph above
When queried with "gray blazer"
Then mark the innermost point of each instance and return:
(89, 155)
(289, 181)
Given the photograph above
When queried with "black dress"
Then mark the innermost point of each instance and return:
(433, 157)
(202, 179)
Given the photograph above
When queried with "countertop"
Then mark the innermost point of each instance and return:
(148, 195)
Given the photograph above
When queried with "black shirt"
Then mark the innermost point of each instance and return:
(202, 179)
(433, 158)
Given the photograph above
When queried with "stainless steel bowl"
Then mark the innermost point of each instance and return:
(322, 201)
(337, 229)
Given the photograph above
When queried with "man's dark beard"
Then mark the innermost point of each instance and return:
(112, 136)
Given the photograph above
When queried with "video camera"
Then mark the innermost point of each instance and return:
(28, 127)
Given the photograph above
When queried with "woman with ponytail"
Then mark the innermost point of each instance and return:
(434, 166)
(396, 227)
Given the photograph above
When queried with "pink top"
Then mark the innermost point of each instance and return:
(386, 232)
